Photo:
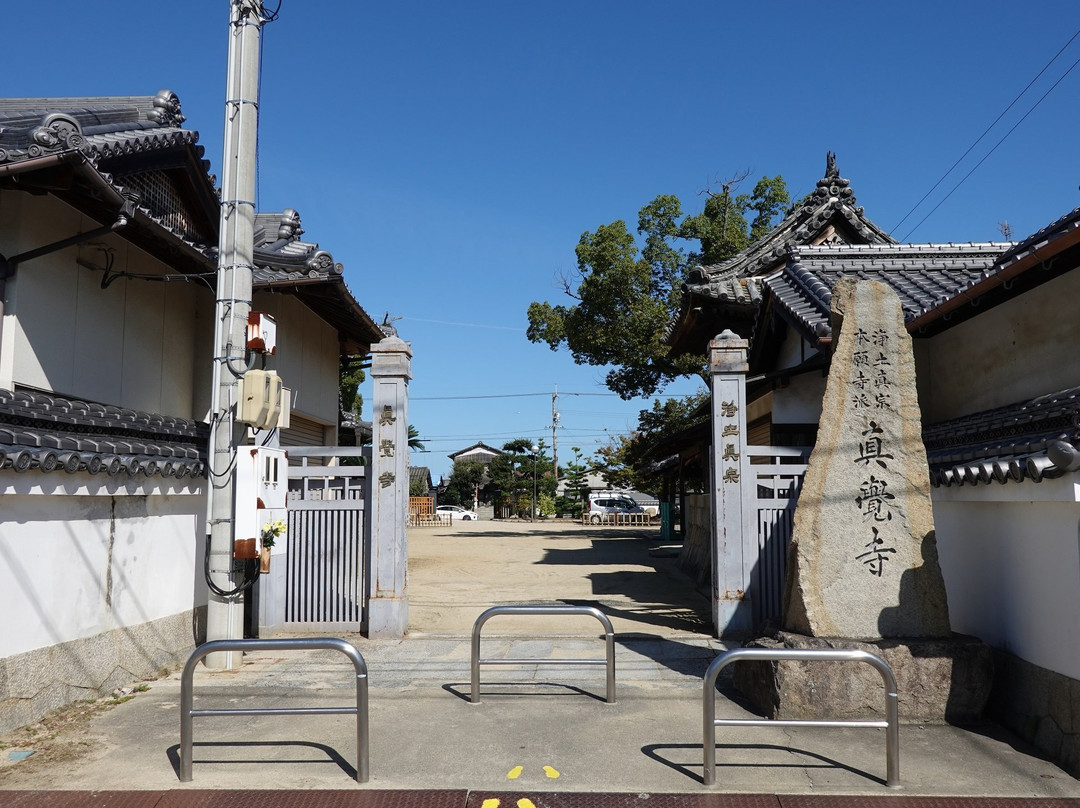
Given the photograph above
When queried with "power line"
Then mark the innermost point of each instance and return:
(501, 395)
(984, 134)
(1002, 140)
(467, 325)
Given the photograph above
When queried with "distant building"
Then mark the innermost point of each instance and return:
(477, 453)
(423, 475)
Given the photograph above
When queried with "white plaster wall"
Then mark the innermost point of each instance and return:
(1012, 568)
(800, 401)
(1015, 351)
(307, 356)
(73, 567)
(794, 350)
(130, 344)
(10, 221)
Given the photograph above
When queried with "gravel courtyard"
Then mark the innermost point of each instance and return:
(457, 571)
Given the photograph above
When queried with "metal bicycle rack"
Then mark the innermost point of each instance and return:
(609, 638)
(298, 644)
(891, 724)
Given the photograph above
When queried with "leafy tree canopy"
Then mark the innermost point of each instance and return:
(626, 294)
(464, 479)
(624, 457)
(350, 377)
(512, 473)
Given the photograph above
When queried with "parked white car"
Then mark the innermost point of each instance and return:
(455, 513)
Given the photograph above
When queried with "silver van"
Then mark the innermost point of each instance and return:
(609, 507)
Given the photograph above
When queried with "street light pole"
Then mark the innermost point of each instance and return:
(535, 449)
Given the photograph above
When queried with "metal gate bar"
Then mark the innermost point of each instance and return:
(609, 639)
(891, 724)
(297, 644)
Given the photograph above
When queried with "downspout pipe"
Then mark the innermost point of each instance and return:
(8, 265)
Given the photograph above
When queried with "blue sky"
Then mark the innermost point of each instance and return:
(451, 154)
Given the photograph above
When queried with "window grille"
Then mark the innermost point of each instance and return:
(157, 192)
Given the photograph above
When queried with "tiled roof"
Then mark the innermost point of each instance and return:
(1065, 225)
(98, 134)
(1003, 444)
(476, 447)
(833, 199)
(102, 127)
(50, 433)
(284, 262)
(743, 291)
(281, 255)
(98, 131)
(922, 275)
(832, 203)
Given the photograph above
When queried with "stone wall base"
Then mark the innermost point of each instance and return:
(1041, 706)
(39, 681)
(938, 680)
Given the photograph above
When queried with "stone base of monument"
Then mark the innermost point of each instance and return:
(938, 680)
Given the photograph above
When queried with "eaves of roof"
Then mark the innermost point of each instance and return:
(924, 277)
(712, 294)
(103, 143)
(95, 140)
(481, 446)
(1011, 273)
(327, 295)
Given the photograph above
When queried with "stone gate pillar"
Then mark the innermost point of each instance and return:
(388, 585)
(731, 563)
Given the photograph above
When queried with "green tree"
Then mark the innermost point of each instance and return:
(625, 295)
(350, 377)
(464, 479)
(414, 439)
(577, 486)
(624, 457)
(511, 473)
(417, 488)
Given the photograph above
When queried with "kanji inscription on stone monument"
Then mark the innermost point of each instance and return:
(864, 555)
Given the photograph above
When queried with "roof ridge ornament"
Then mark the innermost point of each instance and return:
(166, 109)
(56, 132)
(289, 225)
(832, 179)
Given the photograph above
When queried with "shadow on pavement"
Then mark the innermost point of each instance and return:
(693, 770)
(331, 754)
(463, 690)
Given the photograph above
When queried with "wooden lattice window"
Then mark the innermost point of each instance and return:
(157, 192)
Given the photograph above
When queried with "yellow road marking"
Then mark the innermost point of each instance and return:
(492, 803)
(524, 802)
(550, 772)
(514, 773)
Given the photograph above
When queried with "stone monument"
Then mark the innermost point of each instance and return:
(862, 568)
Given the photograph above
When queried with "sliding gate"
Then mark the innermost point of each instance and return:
(326, 542)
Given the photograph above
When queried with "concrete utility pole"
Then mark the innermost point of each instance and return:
(555, 416)
(225, 611)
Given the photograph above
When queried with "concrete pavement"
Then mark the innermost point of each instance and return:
(542, 734)
(538, 729)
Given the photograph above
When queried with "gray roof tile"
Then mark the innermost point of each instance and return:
(922, 275)
(51, 433)
(1005, 443)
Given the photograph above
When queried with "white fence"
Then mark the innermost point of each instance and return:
(776, 475)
